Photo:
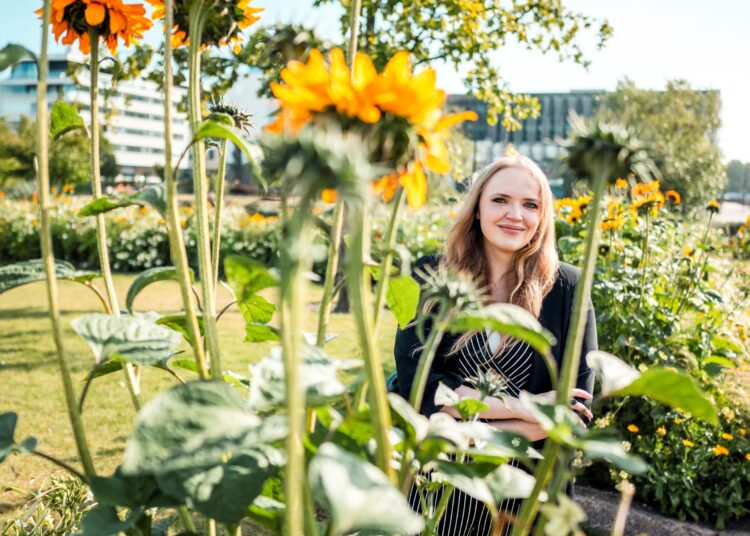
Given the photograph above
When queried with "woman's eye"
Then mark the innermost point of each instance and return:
(499, 200)
(532, 205)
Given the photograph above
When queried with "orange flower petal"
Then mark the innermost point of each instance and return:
(95, 14)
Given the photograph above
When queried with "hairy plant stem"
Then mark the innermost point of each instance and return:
(220, 183)
(176, 237)
(47, 251)
(572, 354)
(334, 251)
(425, 360)
(294, 261)
(385, 265)
(197, 17)
(101, 228)
(361, 294)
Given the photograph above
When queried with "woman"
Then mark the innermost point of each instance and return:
(504, 237)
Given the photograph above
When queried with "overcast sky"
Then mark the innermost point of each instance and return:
(705, 43)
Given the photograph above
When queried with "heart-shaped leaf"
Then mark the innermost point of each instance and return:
(402, 298)
(147, 277)
(63, 119)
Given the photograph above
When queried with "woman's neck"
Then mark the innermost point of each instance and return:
(500, 275)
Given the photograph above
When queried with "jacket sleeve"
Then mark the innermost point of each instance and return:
(407, 351)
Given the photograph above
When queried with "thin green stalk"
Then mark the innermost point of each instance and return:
(572, 355)
(184, 514)
(425, 361)
(385, 265)
(334, 251)
(176, 238)
(220, 183)
(296, 235)
(101, 226)
(361, 295)
(47, 251)
(644, 259)
(559, 480)
(197, 17)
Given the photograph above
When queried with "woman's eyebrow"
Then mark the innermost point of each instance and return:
(536, 200)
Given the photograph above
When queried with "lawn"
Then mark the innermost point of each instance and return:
(30, 383)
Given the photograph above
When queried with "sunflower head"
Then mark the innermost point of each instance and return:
(596, 146)
(240, 117)
(112, 20)
(224, 21)
(713, 206)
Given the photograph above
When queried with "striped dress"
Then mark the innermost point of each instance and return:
(464, 515)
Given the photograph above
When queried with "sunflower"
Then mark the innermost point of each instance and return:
(111, 19)
(397, 108)
(621, 184)
(713, 206)
(673, 197)
(224, 23)
(643, 189)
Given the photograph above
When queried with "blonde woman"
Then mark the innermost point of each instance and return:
(504, 237)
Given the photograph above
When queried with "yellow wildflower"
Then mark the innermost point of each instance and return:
(621, 184)
(328, 195)
(643, 189)
(719, 450)
(726, 436)
(688, 443)
(747, 456)
(661, 431)
(632, 428)
(713, 206)
(678, 421)
(742, 432)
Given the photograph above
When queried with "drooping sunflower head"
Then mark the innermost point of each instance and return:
(110, 19)
(241, 118)
(224, 21)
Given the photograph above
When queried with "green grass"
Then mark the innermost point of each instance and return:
(30, 383)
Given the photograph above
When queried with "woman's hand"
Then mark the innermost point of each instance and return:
(550, 397)
(531, 430)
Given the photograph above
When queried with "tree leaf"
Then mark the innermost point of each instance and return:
(195, 426)
(23, 273)
(247, 277)
(147, 277)
(506, 319)
(217, 127)
(133, 339)
(63, 119)
(318, 374)
(358, 496)
(257, 332)
(12, 54)
(402, 298)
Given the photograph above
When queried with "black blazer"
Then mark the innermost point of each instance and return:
(557, 308)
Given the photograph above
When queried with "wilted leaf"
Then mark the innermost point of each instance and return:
(64, 118)
(147, 277)
(506, 319)
(133, 339)
(12, 54)
(358, 496)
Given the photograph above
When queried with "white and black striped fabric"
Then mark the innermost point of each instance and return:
(464, 515)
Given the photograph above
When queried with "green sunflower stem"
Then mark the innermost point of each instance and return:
(362, 309)
(425, 361)
(176, 237)
(220, 184)
(101, 227)
(334, 252)
(197, 17)
(294, 261)
(385, 265)
(572, 354)
(47, 252)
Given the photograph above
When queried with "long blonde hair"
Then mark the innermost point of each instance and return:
(534, 266)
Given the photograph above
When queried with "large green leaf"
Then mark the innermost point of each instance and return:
(154, 196)
(247, 276)
(256, 309)
(12, 54)
(63, 119)
(506, 319)
(612, 450)
(358, 496)
(129, 491)
(8, 444)
(668, 386)
(219, 127)
(147, 277)
(178, 323)
(22, 273)
(102, 520)
(195, 426)
(485, 483)
(415, 425)
(257, 332)
(402, 298)
(318, 374)
(134, 339)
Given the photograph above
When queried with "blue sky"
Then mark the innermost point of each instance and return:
(705, 43)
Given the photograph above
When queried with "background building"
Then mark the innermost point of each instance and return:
(132, 113)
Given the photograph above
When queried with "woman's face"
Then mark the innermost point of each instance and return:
(509, 210)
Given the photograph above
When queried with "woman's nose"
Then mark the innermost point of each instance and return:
(514, 211)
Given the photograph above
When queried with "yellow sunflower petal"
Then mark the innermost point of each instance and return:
(415, 184)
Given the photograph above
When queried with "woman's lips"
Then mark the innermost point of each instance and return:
(510, 229)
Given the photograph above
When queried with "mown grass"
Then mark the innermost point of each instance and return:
(30, 383)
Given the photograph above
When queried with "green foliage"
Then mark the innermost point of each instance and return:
(12, 54)
(63, 119)
(679, 125)
(8, 444)
(147, 277)
(402, 298)
(154, 196)
(23, 273)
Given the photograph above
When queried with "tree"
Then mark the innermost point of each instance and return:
(465, 33)
(68, 158)
(679, 127)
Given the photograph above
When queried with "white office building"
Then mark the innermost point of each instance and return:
(132, 113)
